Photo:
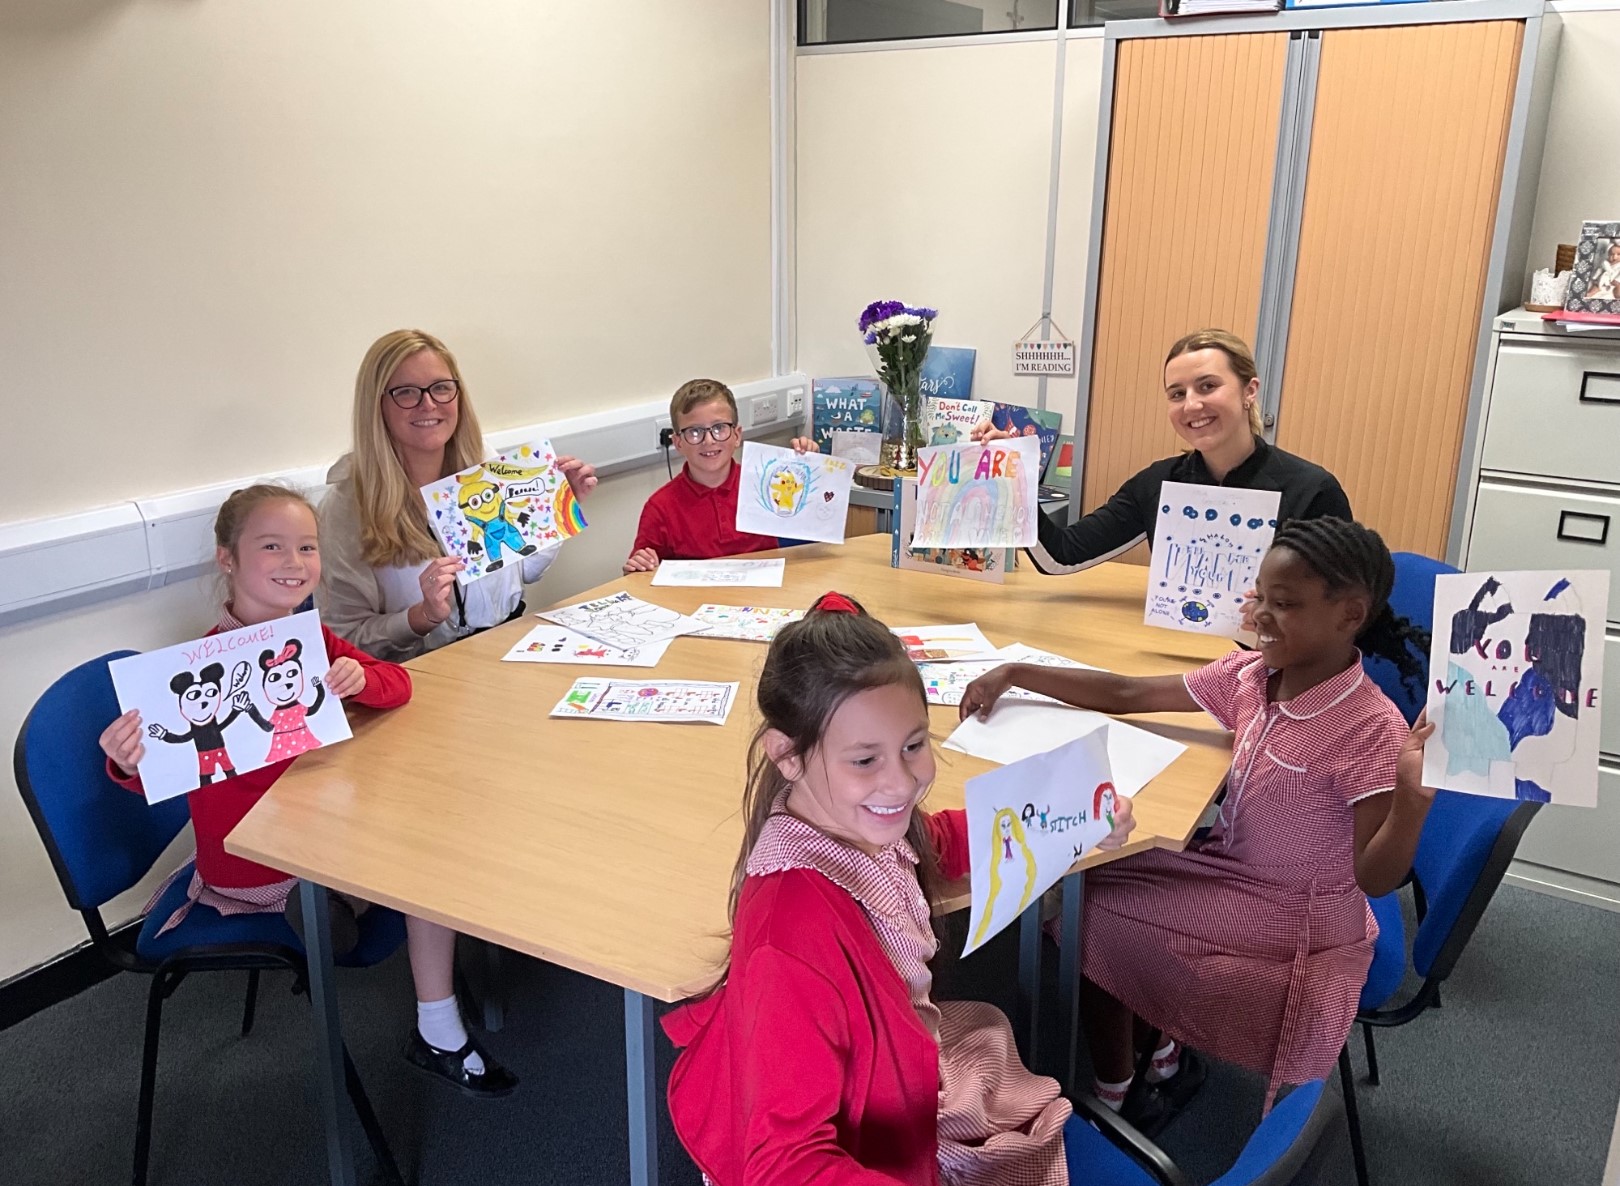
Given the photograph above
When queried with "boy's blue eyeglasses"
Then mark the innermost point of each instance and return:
(695, 433)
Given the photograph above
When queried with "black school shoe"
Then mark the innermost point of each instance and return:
(1150, 1111)
(451, 1066)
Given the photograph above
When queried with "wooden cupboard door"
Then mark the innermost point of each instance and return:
(1401, 194)
(1192, 150)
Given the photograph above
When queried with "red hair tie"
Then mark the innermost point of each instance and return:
(287, 652)
(836, 603)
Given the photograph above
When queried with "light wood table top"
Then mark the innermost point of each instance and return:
(607, 846)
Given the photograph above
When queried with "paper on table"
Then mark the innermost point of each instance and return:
(944, 683)
(1207, 547)
(1016, 730)
(762, 574)
(622, 621)
(749, 623)
(682, 701)
(1031, 820)
(788, 495)
(943, 644)
(556, 644)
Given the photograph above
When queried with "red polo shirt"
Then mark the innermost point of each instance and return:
(686, 520)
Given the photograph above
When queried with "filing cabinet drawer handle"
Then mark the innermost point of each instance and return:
(1582, 528)
(1613, 384)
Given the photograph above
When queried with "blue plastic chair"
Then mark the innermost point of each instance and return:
(102, 840)
(1288, 1147)
(1413, 599)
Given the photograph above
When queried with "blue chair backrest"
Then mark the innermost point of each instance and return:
(101, 838)
(1413, 599)
(1388, 967)
(1466, 844)
(1282, 1146)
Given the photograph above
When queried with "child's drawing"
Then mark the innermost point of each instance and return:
(788, 495)
(680, 701)
(210, 728)
(1207, 548)
(503, 509)
(622, 621)
(944, 683)
(750, 623)
(1029, 822)
(941, 644)
(555, 644)
(977, 496)
(734, 571)
(1516, 674)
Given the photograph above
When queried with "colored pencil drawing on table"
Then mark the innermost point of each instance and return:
(788, 495)
(1028, 822)
(503, 509)
(1207, 546)
(977, 496)
(229, 703)
(964, 640)
(1515, 685)
(734, 571)
(944, 683)
(556, 644)
(622, 621)
(747, 623)
(673, 701)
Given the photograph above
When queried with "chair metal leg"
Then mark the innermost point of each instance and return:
(149, 1053)
(1352, 1114)
(1372, 1054)
(251, 1002)
(328, 1036)
(494, 987)
(1027, 1027)
(642, 1088)
(369, 1122)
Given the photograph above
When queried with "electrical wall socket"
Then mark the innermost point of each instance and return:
(765, 410)
(660, 423)
(795, 402)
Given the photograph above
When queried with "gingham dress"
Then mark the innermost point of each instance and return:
(999, 1125)
(1254, 943)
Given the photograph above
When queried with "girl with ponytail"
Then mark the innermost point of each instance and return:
(822, 1055)
(1253, 944)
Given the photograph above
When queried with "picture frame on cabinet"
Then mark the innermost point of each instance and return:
(1594, 284)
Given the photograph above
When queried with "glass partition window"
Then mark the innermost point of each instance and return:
(831, 22)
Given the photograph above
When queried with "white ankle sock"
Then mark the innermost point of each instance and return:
(1112, 1095)
(439, 1023)
(1166, 1062)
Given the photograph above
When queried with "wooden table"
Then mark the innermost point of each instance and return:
(607, 847)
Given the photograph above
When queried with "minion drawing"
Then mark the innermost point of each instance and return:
(492, 518)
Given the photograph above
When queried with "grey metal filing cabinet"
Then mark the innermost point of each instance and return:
(1547, 495)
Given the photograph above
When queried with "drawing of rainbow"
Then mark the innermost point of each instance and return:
(569, 518)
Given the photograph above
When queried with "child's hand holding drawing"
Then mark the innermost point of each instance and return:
(345, 678)
(1409, 766)
(121, 741)
(1124, 823)
(804, 445)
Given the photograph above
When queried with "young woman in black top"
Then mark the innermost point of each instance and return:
(1210, 380)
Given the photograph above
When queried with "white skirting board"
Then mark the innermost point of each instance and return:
(56, 563)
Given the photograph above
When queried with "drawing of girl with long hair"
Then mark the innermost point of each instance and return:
(1007, 846)
(1102, 806)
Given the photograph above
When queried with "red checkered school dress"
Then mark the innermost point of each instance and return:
(999, 1125)
(1253, 944)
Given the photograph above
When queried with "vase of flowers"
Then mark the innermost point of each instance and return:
(897, 336)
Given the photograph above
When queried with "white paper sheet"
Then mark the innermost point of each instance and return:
(945, 644)
(858, 448)
(1207, 548)
(788, 495)
(1020, 728)
(978, 496)
(747, 623)
(676, 701)
(1515, 685)
(557, 644)
(1029, 822)
(622, 621)
(234, 701)
(944, 683)
(735, 572)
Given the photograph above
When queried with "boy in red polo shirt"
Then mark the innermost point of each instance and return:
(693, 516)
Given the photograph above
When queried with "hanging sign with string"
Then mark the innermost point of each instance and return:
(1043, 356)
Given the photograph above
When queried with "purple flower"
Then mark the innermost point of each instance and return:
(925, 313)
(870, 339)
(878, 311)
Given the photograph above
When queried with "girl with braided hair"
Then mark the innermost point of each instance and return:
(1253, 944)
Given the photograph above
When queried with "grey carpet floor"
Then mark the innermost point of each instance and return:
(1514, 1082)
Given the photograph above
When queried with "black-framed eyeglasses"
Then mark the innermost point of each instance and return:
(442, 392)
(695, 433)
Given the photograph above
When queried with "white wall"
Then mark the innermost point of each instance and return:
(945, 206)
(212, 209)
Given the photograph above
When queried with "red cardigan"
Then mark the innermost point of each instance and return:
(220, 806)
(686, 520)
(810, 1065)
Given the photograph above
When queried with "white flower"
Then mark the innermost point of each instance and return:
(909, 338)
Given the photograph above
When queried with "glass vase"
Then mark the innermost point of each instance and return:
(903, 432)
